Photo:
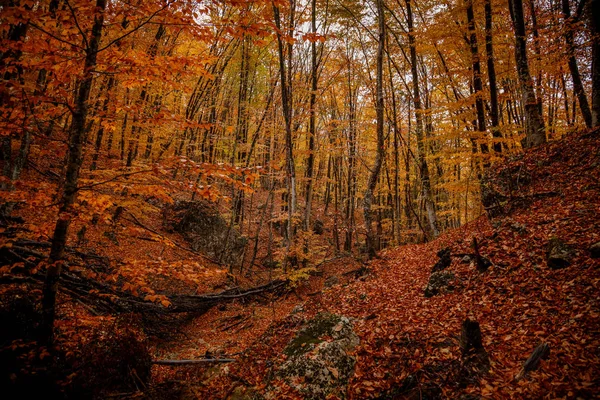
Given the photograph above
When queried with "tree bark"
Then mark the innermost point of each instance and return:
(287, 115)
(573, 67)
(594, 16)
(477, 83)
(491, 67)
(373, 177)
(312, 131)
(69, 192)
(421, 159)
(535, 131)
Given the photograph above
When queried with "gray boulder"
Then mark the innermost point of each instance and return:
(319, 363)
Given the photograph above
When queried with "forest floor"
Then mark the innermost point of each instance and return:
(409, 344)
(519, 302)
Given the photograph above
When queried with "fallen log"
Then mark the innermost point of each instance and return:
(188, 362)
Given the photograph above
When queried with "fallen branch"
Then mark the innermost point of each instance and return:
(200, 361)
(533, 362)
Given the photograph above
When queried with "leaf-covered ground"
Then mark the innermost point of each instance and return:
(552, 192)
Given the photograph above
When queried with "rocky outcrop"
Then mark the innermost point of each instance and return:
(320, 363)
(206, 230)
(559, 253)
(439, 283)
(444, 260)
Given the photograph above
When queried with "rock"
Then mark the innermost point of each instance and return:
(319, 364)
(519, 228)
(595, 250)
(318, 227)
(206, 230)
(559, 254)
(444, 261)
(466, 259)
(439, 282)
(331, 281)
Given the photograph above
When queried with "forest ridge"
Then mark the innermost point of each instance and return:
(167, 157)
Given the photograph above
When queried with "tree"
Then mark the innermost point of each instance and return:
(594, 16)
(535, 131)
(421, 156)
(573, 67)
(379, 105)
(286, 100)
(77, 133)
(491, 69)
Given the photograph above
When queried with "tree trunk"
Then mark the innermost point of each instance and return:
(312, 118)
(422, 161)
(594, 12)
(489, 49)
(69, 192)
(372, 183)
(535, 131)
(477, 83)
(287, 115)
(573, 67)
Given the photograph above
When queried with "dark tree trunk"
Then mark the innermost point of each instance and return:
(573, 67)
(69, 192)
(489, 49)
(535, 131)
(477, 83)
(594, 14)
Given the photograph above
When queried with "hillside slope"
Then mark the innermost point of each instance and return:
(409, 344)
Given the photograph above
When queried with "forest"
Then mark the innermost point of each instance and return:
(303, 199)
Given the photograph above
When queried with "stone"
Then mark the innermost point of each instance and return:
(519, 228)
(206, 230)
(444, 260)
(559, 254)
(319, 363)
(466, 259)
(439, 283)
(332, 281)
(595, 250)
(318, 227)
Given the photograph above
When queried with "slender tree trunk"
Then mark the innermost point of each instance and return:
(287, 115)
(373, 177)
(477, 82)
(69, 192)
(574, 68)
(535, 131)
(594, 13)
(312, 118)
(100, 133)
(423, 167)
(491, 67)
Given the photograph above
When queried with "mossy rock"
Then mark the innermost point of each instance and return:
(312, 334)
(439, 283)
(319, 363)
